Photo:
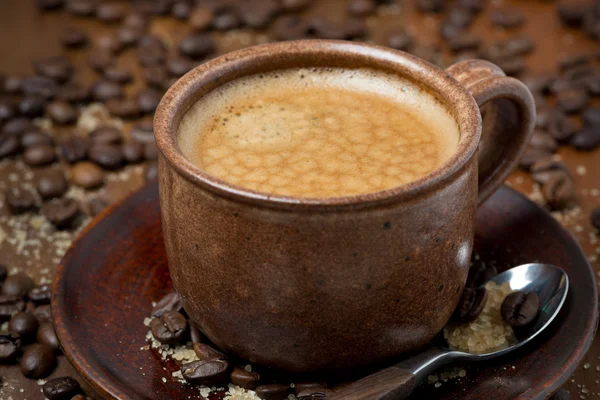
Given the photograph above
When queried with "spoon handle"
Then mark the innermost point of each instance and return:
(391, 383)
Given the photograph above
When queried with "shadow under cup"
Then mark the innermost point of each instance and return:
(308, 284)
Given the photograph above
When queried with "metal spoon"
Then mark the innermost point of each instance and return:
(397, 382)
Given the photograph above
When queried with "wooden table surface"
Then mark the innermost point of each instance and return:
(26, 35)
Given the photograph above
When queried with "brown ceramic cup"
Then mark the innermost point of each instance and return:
(322, 284)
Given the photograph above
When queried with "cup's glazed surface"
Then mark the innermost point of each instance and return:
(306, 284)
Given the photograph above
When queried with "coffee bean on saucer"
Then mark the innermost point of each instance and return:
(58, 68)
(17, 285)
(87, 175)
(559, 191)
(10, 305)
(61, 212)
(96, 206)
(471, 304)
(572, 100)
(123, 108)
(106, 135)
(151, 172)
(520, 309)
(206, 372)
(43, 313)
(52, 184)
(290, 27)
(19, 201)
(169, 302)
(73, 36)
(273, 391)
(586, 140)
(197, 45)
(106, 155)
(38, 361)
(110, 12)
(47, 335)
(74, 149)
(169, 328)
(24, 324)
(3, 272)
(40, 294)
(148, 100)
(32, 106)
(39, 155)
(100, 59)
(206, 352)
(104, 90)
(9, 346)
(63, 388)
(244, 379)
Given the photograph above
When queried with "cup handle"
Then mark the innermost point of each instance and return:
(508, 116)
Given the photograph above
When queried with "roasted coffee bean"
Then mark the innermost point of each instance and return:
(169, 328)
(150, 51)
(572, 13)
(36, 138)
(195, 335)
(208, 372)
(12, 85)
(464, 42)
(81, 8)
(561, 127)
(32, 106)
(30, 306)
(148, 99)
(43, 313)
(429, 53)
(137, 19)
(543, 140)
(311, 395)
(197, 45)
(104, 90)
(73, 92)
(572, 60)
(52, 184)
(538, 83)
(201, 18)
(106, 135)
(178, 66)
(17, 126)
(151, 173)
(430, 6)
(519, 309)
(38, 361)
(129, 36)
(9, 145)
(244, 379)
(206, 352)
(10, 305)
(118, 74)
(533, 155)
(24, 324)
(110, 12)
(362, 7)
(309, 386)
(87, 175)
(19, 201)
(40, 295)
(595, 218)
(181, 10)
(295, 5)
(399, 40)
(100, 59)
(73, 36)
(61, 112)
(543, 170)
(559, 191)
(61, 388)
(61, 213)
(123, 108)
(226, 20)
(47, 5)
(7, 110)
(273, 392)
(58, 68)
(3, 272)
(107, 156)
(290, 27)
(133, 152)
(108, 42)
(459, 17)
(39, 155)
(150, 151)
(507, 18)
(573, 100)
(17, 285)
(156, 76)
(258, 14)
(325, 28)
(143, 132)
(591, 116)
(9, 346)
(169, 302)
(96, 206)
(586, 140)
(471, 304)
(74, 149)
(46, 335)
(513, 66)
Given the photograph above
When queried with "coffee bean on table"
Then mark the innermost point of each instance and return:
(103, 90)
(143, 132)
(519, 309)
(9, 145)
(3, 272)
(178, 66)
(87, 175)
(471, 304)
(58, 68)
(109, 42)
(273, 391)
(110, 12)
(290, 27)
(586, 140)
(543, 170)
(181, 10)
(63, 388)
(543, 140)
(148, 100)
(207, 372)
(107, 156)
(258, 14)
(36, 137)
(17, 126)
(100, 59)
(559, 191)
(123, 108)
(7, 110)
(47, 5)
(118, 74)
(362, 7)
(572, 14)
(47, 335)
(10, 305)
(201, 18)
(40, 294)
(106, 135)
(43, 313)
(295, 5)
(151, 172)
(17, 285)
(39, 155)
(561, 127)
(156, 76)
(226, 20)
(309, 386)
(572, 100)
(73, 36)
(169, 302)
(169, 328)
(197, 45)
(38, 361)
(430, 6)
(9, 346)
(244, 379)
(96, 206)
(24, 324)
(133, 152)
(61, 213)
(150, 55)
(399, 39)
(533, 155)
(32, 106)
(507, 18)
(129, 36)
(61, 112)
(206, 352)
(52, 184)
(19, 200)
(74, 149)
(150, 151)
(73, 92)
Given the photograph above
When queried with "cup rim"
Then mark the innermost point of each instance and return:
(262, 58)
